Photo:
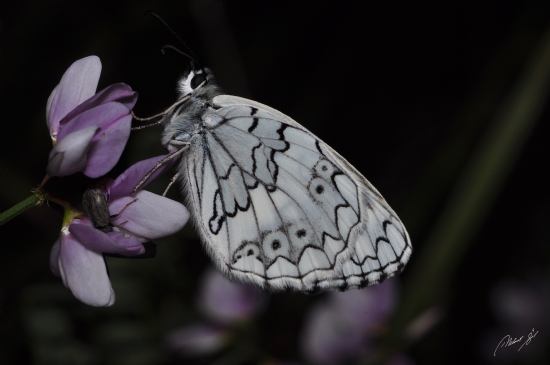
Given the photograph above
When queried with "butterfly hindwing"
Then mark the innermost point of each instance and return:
(278, 207)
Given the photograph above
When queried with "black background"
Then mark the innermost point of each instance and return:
(392, 86)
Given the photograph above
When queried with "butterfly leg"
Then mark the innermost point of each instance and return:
(150, 247)
(172, 181)
(159, 165)
(122, 210)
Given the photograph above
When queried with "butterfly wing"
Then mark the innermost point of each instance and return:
(278, 207)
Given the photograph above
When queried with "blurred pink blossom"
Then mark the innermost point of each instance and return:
(339, 329)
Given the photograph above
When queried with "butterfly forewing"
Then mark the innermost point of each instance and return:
(278, 207)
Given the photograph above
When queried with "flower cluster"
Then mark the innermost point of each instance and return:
(89, 132)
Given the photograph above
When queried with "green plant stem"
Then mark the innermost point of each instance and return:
(19, 208)
(475, 191)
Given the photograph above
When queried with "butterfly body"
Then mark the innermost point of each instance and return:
(274, 205)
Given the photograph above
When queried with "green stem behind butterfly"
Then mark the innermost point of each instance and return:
(474, 193)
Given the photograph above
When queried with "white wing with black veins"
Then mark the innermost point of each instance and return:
(279, 208)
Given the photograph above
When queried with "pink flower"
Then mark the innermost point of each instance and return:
(226, 302)
(197, 340)
(338, 331)
(89, 131)
(145, 215)
(77, 256)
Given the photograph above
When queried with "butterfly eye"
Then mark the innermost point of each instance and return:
(197, 80)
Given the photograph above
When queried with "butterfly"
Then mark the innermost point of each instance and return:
(274, 205)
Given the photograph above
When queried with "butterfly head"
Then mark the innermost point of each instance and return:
(197, 88)
(195, 79)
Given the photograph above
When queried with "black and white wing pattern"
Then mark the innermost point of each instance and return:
(277, 207)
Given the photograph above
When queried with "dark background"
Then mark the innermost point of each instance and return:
(409, 92)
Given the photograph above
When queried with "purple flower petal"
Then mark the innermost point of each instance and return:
(107, 147)
(120, 93)
(84, 272)
(101, 116)
(327, 338)
(130, 242)
(54, 258)
(98, 241)
(197, 340)
(148, 215)
(69, 156)
(54, 166)
(77, 84)
(227, 302)
(336, 331)
(125, 182)
(55, 129)
(368, 307)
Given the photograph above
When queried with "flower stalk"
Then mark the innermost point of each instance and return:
(19, 208)
(39, 196)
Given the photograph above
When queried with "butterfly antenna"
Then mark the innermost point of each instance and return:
(174, 33)
(177, 50)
